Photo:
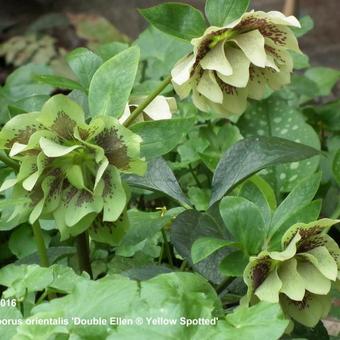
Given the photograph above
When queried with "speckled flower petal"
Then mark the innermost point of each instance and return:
(270, 288)
(289, 252)
(19, 130)
(114, 195)
(61, 115)
(216, 60)
(309, 311)
(121, 146)
(53, 149)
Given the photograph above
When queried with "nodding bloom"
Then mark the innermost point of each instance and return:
(160, 108)
(300, 276)
(69, 169)
(232, 63)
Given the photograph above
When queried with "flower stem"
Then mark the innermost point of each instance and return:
(42, 251)
(83, 251)
(9, 162)
(167, 248)
(136, 112)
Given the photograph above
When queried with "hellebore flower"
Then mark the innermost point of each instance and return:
(69, 170)
(231, 63)
(300, 276)
(160, 108)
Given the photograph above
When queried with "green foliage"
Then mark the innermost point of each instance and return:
(180, 20)
(223, 12)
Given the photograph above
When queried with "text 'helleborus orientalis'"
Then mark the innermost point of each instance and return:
(231, 63)
(69, 170)
(300, 276)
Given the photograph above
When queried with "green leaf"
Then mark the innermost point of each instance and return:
(262, 321)
(244, 221)
(300, 196)
(205, 246)
(324, 77)
(180, 20)
(155, 133)
(109, 50)
(199, 197)
(191, 225)
(251, 155)
(159, 177)
(307, 24)
(223, 12)
(112, 83)
(84, 64)
(59, 82)
(276, 117)
(234, 264)
(336, 167)
(22, 242)
(9, 313)
(329, 114)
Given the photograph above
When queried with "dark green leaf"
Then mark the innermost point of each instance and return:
(222, 12)
(234, 264)
(161, 136)
(180, 20)
(251, 155)
(159, 177)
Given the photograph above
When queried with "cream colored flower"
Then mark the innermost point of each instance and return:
(300, 276)
(231, 63)
(160, 108)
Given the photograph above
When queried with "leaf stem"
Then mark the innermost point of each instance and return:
(9, 162)
(41, 247)
(83, 251)
(167, 248)
(139, 109)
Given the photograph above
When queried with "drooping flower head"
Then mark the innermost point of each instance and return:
(69, 169)
(300, 276)
(160, 108)
(231, 63)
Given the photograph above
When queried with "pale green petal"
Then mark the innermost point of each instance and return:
(53, 149)
(80, 204)
(307, 230)
(17, 148)
(121, 146)
(257, 83)
(216, 60)
(309, 311)
(270, 288)
(323, 261)
(52, 188)
(182, 70)
(279, 18)
(36, 212)
(271, 63)
(102, 167)
(289, 252)
(235, 101)
(184, 89)
(240, 65)
(252, 44)
(277, 79)
(18, 130)
(61, 115)
(209, 87)
(292, 283)
(114, 195)
(314, 281)
(40, 164)
(8, 183)
(74, 175)
(201, 102)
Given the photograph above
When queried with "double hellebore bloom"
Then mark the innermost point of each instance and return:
(69, 170)
(300, 276)
(231, 63)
